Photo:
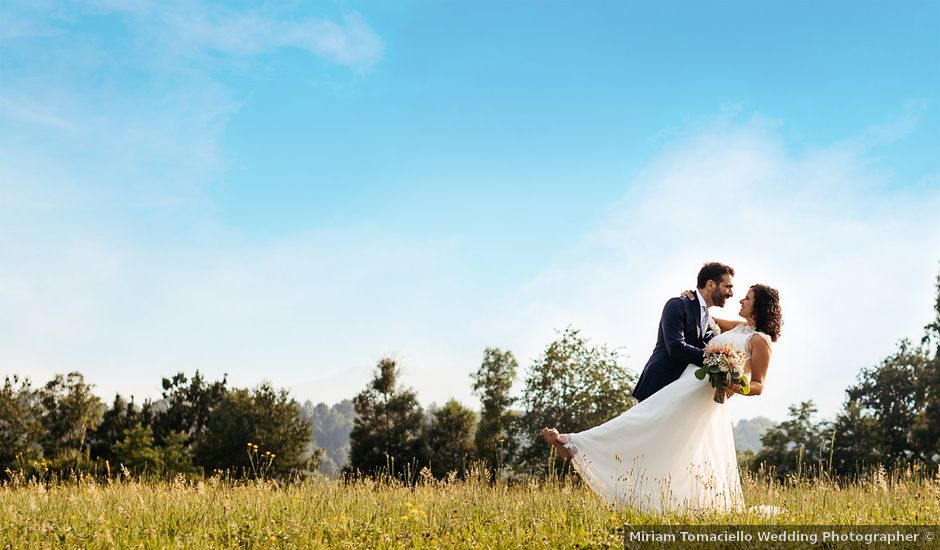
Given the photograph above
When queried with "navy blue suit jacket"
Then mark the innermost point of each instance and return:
(679, 343)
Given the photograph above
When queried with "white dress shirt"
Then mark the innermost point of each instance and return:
(703, 321)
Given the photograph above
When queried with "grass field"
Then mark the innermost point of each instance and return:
(472, 513)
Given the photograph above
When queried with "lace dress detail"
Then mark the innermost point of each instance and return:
(672, 451)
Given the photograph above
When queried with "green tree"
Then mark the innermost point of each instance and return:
(116, 420)
(186, 405)
(135, 451)
(573, 386)
(176, 455)
(932, 330)
(895, 394)
(925, 434)
(859, 442)
(387, 432)
(796, 447)
(20, 429)
(265, 417)
(450, 439)
(69, 412)
(492, 382)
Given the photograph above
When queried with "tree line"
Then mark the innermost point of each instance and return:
(890, 418)
(63, 430)
(198, 427)
(573, 384)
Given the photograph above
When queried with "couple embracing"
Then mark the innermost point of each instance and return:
(674, 450)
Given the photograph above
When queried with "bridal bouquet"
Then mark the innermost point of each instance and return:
(724, 366)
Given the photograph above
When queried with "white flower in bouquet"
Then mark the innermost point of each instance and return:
(724, 366)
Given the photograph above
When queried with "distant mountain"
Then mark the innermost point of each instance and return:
(747, 433)
(331, 427)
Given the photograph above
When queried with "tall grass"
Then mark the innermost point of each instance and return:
(473, 512)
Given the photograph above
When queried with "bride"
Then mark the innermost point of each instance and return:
(675, 449)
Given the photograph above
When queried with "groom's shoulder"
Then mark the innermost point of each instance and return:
(675, 304)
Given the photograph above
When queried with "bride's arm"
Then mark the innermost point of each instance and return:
(760, 360)
(726, 325)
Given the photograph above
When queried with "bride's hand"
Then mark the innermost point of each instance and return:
(732, 389)
(690, 294)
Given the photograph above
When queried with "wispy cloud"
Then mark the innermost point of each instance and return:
(31, 113)
(194, 30)
(146, 115)
(897, 128)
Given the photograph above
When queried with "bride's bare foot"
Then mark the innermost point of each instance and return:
(556, 440)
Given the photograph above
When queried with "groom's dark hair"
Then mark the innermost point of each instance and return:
(713, 271)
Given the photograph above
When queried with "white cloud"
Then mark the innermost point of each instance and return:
(897, 128)
(195, 30)
(144, 121)
(27, 111)
(351, 42)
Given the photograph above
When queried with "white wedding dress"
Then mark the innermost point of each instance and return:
(672, 451)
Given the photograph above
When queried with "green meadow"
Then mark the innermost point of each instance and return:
(470, 513)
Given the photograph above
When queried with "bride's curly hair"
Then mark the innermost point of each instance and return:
(766, 310)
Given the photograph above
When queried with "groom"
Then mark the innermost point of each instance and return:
(683, 330)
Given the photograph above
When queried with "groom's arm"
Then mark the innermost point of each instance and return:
(673, 327)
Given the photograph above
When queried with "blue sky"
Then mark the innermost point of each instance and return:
(288, 191)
